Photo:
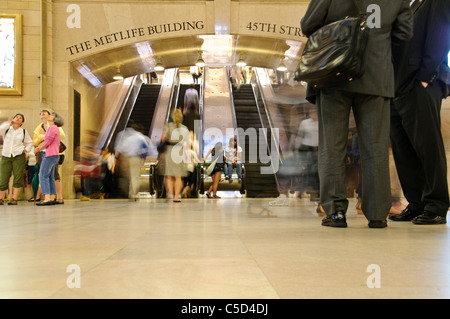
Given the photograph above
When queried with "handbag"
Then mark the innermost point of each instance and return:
(61, 159)
(62, 147)
(162, 147)
(210, 168)
(334, 54)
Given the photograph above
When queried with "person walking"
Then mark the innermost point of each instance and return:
(48, 163)
(131, 149)
(217, 156)
(233, 158)
(369, 98)
(421, 72)
(191, 99)
(16, 143)
(174, 133)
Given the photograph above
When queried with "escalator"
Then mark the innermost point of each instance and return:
(141, 110)
(145, 105)
(248, 116)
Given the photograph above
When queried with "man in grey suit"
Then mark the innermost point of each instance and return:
(369, 98)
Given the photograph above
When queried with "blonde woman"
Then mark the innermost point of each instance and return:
(174, 134)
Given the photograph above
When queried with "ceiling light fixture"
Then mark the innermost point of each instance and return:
(241, 62)
(200, 62)
(118, 76)
(282, 67)
(159, 66)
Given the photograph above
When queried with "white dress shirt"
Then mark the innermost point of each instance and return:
(14, 142)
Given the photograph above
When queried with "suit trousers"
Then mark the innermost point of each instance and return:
(418, 148)
(372, 116)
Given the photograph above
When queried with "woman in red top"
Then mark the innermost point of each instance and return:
(51, 145)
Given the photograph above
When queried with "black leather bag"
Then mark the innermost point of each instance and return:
(162, 147)
(62, 147)
(334, 54)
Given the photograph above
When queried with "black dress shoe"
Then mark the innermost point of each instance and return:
(427, 218)
(335, 220)
(377, 223)
(405, 216)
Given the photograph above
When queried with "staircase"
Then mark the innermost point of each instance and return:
(247, 116)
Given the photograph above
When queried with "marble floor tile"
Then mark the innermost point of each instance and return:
(232, 248)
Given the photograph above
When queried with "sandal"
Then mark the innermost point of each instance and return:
(46, 203)
(13, 202)
(208, 194)
(215, 196)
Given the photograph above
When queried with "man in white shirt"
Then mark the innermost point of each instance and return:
(132, 148)
(191, 99)
(16, 143)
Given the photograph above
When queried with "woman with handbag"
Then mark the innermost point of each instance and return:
(174, 134)
(218, 160)
(38, 138)
(47, 169)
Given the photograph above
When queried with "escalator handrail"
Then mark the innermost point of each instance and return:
(174, 95)
(129, 100)
(257, 89)
(200, 110)
(233, 110)
(157, 105)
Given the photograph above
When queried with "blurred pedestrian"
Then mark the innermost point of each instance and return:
(131, 149)
(175, 135)
(218, 160)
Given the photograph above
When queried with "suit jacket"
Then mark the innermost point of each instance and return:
(424, 58)
(396, 27)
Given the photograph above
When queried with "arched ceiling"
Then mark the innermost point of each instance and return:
(216, 50)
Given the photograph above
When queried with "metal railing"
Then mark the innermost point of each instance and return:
(260, 96)
(121, 111)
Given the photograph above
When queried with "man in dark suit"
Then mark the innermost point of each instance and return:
(369, 98)
(421, 73)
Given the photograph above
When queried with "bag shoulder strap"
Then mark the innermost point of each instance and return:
(416, 4)
(358, 6)
(23, 134)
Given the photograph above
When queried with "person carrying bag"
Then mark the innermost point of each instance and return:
(334, 54)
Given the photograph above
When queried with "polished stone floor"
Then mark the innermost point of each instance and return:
(221, 249)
